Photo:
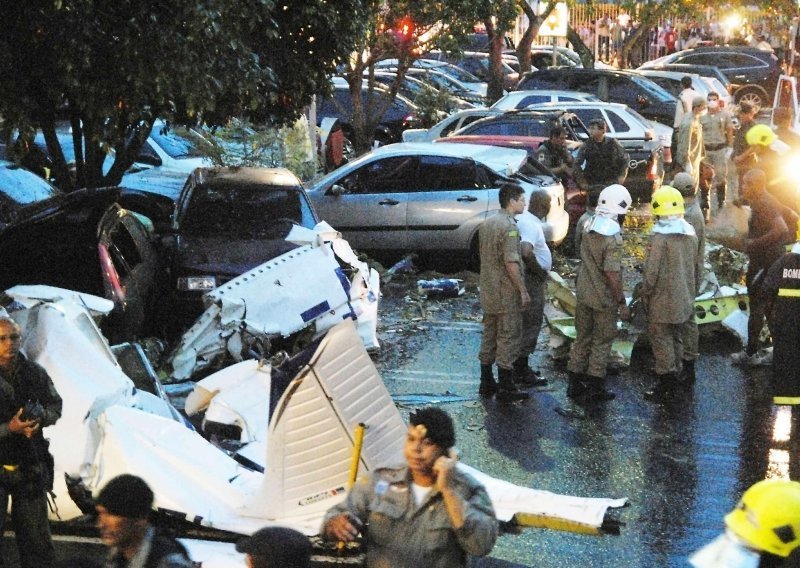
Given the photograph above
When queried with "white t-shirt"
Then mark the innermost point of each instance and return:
(420, 493)
(684, 105)
(530, 231)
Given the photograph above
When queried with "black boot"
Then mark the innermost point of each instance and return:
(488, 385)
(664, 388)
(524, 376)
(688, 375)
(577, 387)
(597, 389)
(508, 391)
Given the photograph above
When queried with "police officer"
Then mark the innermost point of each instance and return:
(717, 127)
(599, 298)
(553, 153)
(693, 215)
(669, 287)
(602, 161)
(761, 532)
(503, 296)
(28, 403)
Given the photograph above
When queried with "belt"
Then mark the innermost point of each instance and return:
(715, 147)
(789, 292)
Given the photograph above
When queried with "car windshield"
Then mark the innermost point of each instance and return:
(179, 142)
(19, 188)
(658, 93)
(244, 211)
(456, 73)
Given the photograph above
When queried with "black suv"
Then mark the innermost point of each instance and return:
(753, 72)
(609, 85)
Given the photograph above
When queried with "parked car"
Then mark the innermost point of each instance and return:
(465, 77)
(427, 197)
(610, 85)
(542, 58)
(81, 241)
(646, 142)
(721, 83)
(449, 125)
(752, 72)
(400, 114)
(225, 222)
(671, 82)
(522, 99)
(175, 148)
(411, 87)
(443, 81)
(477, 63)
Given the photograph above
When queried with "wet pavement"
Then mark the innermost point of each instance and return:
(681, 465)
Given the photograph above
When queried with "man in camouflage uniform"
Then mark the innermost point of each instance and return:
(553, 153)
(669, 287)
(503, 296)
(601, 161)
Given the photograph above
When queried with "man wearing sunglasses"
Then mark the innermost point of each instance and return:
(28, 403)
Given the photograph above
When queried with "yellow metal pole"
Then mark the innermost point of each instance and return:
(358, 442)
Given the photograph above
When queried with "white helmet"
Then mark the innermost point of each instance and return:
(614, 200)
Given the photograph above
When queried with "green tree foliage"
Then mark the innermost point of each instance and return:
(111, 68)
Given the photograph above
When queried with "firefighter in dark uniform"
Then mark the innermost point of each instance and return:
(601, 161)
(28, 403)
(782, 286)
(503, 296)
(669, 287)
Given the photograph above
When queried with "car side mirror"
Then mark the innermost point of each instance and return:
(336, 190)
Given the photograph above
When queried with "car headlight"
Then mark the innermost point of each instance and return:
(196, 283)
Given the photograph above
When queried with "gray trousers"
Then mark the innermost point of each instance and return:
(532, 316)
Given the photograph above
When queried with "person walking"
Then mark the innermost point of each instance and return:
(767, 233)
(537, 260)
(28, 402)
(669, 287)
(426, 513)
(693, 215)
(717, 127)
(599, 298)
(123, 507)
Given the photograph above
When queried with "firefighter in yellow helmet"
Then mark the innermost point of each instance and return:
(761, 532)
(669, 284)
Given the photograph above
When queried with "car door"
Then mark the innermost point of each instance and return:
(449, 202)
(371, 209)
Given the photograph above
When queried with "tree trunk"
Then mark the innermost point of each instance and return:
(495, 87)
(632, 42)
(584, 52)
(526, 41)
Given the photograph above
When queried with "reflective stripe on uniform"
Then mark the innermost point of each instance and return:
(786, 400)
(789, 292)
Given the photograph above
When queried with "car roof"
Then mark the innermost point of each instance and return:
(498, 159)
(246, 176)
(579, 104)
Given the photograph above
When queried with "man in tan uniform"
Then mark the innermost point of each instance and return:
(693, 215)
(718, 142)
(599, 295)
(690, 148)
(503, 296)
(669, 286)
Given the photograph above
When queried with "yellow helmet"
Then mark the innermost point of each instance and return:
(667, 200)
(760, 134)
(797, 235)
(767, 517)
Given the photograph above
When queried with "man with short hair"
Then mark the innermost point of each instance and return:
(766, 236)
(276, 547)
(717, 128)
(743, 158)
(553, 153)
(537, 261)
(426, 513)
(123, 508)
(503, 296)
(601, 160)
(28, 402)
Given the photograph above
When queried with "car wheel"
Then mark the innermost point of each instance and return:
(753, 96)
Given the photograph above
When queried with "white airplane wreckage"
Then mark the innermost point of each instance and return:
(292, 429)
